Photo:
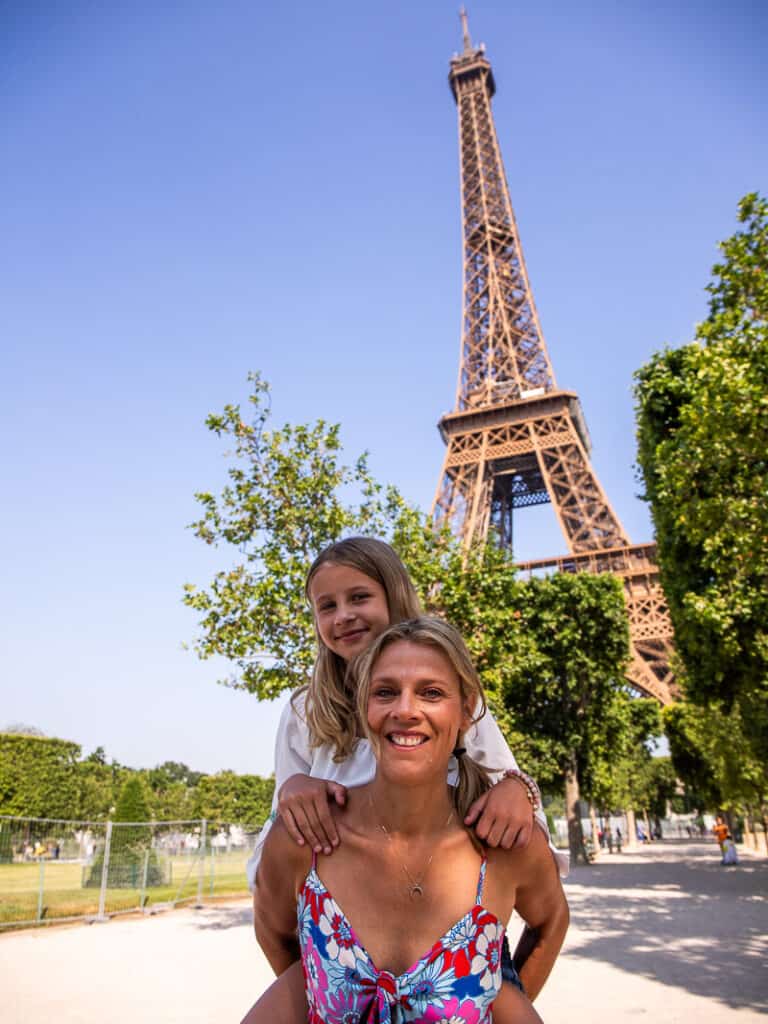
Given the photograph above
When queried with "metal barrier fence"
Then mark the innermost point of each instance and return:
(54, 870)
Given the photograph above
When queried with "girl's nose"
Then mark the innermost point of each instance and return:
(344, 612)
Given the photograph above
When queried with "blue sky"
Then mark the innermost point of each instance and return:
(193, 190)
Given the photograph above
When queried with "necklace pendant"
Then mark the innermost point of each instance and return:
(415, 890)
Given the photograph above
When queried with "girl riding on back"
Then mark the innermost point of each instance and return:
(357, 588)
(404, 923)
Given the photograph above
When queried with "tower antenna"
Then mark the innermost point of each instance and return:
(465, 30)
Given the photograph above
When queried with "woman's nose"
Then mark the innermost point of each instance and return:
(405, 706)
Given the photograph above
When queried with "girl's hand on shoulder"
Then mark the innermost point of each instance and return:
(302, 804)
(503, 816)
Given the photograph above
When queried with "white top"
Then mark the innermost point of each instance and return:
(294, 756)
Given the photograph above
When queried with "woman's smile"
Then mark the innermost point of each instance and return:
(407, 739)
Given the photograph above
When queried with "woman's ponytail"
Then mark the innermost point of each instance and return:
(474, 780)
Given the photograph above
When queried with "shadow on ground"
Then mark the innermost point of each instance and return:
(217, 919)
(676, 915)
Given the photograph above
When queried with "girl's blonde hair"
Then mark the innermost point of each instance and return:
(473, 778)
(330, 706)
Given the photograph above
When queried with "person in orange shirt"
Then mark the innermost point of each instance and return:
(720, 830)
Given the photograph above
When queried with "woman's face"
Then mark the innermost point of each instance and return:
(350, 608)
(415, 709)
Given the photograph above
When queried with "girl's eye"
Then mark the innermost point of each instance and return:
(360, 597)
(325, 607)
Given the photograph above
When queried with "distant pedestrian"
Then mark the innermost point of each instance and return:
(730, 856)
(609, 840)
(618, 840)
(720, 830)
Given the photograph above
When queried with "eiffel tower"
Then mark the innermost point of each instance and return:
(514, 438)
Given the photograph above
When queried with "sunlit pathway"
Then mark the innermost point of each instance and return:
(665, 934)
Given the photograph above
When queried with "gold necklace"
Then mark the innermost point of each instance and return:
(415, 889)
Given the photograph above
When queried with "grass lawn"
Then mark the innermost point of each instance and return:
(65, 896)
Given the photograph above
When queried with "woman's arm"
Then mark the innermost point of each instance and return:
(283, 865)
(509, 1007)
(541, 903)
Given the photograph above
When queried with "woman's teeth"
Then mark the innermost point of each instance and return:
(407, 741)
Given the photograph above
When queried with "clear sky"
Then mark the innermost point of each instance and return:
(192, 190)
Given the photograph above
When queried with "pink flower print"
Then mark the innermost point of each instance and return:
(343, 1006)
(313, 967)
(340, 940)
(487, 959)
(453, 1012)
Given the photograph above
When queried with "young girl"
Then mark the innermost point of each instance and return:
(357, 587)
(408, 868)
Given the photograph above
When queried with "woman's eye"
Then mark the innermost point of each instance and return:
(383, 692)
(433, 693)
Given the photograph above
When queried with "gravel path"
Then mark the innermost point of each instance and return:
(663, 934)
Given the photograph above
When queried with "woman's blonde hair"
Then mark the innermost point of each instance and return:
(473, 778)
(330, 706)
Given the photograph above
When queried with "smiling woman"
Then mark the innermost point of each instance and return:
(424, 902)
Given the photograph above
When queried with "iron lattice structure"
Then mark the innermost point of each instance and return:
(514, 438)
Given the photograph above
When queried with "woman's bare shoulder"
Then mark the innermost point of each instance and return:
(283, 853)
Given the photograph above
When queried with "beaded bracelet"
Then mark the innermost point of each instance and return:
(531, 789)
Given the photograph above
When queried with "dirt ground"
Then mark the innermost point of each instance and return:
(664, 934)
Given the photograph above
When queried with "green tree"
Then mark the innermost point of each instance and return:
(561, 694)
(169, 772)
(619, 753)
(713, 758)
(98, 787)
(172, 791)
(133, 862)
(228, 798)
(703, 454)
(38, 776)
(281, 506)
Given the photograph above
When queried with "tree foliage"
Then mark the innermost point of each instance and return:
(618, 770)
(38, 776)
(42, 777)
(703, 455)
(713, 757)
(227, 797)
(282, 504)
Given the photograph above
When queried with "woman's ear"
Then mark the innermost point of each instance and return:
(467, 716)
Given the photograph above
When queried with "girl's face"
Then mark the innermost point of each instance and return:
(350, 608)
(416, 709)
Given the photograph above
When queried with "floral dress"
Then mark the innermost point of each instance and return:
(455, 982)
